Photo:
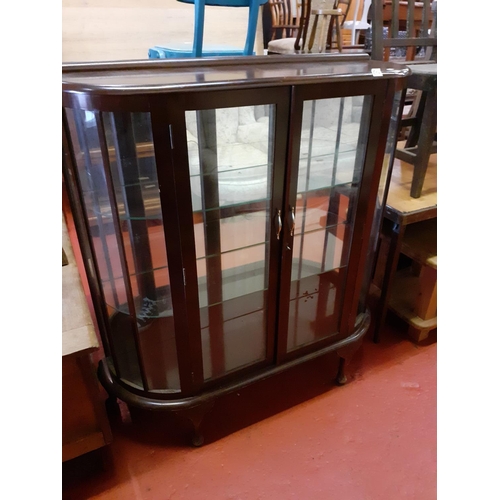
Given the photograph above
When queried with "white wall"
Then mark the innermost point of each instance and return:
(107, 30)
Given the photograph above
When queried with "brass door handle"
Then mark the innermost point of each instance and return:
(280, 225)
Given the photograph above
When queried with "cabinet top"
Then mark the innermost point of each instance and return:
(159, 76)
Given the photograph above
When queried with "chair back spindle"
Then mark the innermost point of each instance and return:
(285, 18)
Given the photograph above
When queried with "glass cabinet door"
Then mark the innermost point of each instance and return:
(116, 170)
(234, 171)
(323, 195)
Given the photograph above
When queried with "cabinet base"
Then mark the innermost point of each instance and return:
(195, 408)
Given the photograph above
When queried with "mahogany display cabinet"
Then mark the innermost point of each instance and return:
(227, 210)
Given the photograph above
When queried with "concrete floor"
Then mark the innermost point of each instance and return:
(372, 439)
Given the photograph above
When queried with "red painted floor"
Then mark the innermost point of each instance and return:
(372, 439)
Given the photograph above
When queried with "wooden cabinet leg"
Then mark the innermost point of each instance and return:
(195, 415)
(341, 376)
(112, 407)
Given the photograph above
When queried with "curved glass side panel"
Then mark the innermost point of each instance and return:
(385, 178)
(130, 249)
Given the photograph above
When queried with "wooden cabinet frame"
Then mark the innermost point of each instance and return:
(166, 91)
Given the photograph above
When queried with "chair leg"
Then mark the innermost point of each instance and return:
(199, 14)
(426, 138)
(253, 15)
(339, 33)
(322, 41)
(313, 33)
(414, 132)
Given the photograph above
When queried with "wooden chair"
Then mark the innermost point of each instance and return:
(413, 19)
(196, 48)
(358, 24)
(336, 23)
(314, 12)
(285, 18)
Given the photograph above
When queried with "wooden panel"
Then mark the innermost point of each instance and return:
(78, 447)
(420, 242)
(84, 425)
(78, 333)
(426, 306)
(404, 298)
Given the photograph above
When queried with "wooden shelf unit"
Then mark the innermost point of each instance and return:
(414, 294)
(410, 229)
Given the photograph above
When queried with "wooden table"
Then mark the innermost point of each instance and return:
(400, 212)
(85, 425)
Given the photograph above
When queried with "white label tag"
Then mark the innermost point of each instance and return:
(377, 72)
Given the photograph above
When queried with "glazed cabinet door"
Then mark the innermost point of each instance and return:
(229, 152)
(333, 137)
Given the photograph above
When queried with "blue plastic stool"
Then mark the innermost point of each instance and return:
(179, 50)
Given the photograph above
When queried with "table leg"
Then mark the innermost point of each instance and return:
(425, 141)
(395, 242)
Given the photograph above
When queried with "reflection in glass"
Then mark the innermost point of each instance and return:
(332, 149)
(142, 328)
(230, 163)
